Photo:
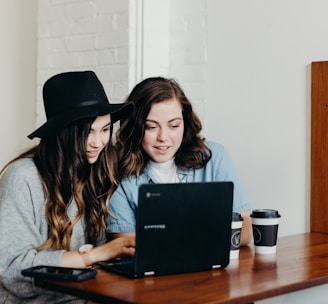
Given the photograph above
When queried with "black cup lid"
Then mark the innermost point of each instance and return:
(236, 217)
(265, 213)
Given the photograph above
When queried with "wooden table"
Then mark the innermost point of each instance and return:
(301, 262)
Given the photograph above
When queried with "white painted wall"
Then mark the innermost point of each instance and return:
(258, 102)
(246, 68)
(17, 75)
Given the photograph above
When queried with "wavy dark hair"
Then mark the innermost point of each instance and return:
(65, 173)
(193, 153)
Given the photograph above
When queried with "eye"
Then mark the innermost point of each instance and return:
(150, 127)
(174, 126)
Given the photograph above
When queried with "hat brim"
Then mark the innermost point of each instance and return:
(53, 125)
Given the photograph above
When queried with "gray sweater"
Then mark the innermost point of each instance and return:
(22, 228)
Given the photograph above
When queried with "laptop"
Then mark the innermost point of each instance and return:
(180, 228)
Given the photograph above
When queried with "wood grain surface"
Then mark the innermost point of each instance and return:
(301, 262)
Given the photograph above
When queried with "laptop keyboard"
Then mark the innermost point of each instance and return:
(127, 269)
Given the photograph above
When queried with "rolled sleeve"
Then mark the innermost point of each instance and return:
(122, 210)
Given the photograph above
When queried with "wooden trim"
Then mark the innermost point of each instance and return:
(319, 147)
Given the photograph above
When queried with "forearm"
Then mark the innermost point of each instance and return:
(120, 247)
(72, 259)
(123, 234)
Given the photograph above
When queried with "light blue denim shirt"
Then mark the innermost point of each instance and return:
(124, 202)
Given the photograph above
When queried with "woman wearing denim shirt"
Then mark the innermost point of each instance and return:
(161, 143)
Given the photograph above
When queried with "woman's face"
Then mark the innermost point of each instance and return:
(164, 129)
(98, 137)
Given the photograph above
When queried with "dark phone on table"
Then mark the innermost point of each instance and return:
(60, 273)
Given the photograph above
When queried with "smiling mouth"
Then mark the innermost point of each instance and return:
(161, 148)
(92, 153)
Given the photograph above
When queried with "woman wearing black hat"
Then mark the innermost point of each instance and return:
(53, 198)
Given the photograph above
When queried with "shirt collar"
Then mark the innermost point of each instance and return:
(147, 176)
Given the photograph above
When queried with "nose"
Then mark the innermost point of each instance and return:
(95, 140)
(162, 134)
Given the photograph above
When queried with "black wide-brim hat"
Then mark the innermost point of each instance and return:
(71, 96)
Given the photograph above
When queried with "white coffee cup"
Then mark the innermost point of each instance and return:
(236, 224)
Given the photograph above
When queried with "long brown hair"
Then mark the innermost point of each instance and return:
(65, 173)
(193, 153)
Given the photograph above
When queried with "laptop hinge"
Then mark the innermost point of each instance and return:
(216, 266)
(149, 273)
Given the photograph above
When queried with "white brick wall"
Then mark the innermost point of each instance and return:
(124, 41)
(82, 35)
(156, 38)
(175, 45)
(188, 50)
